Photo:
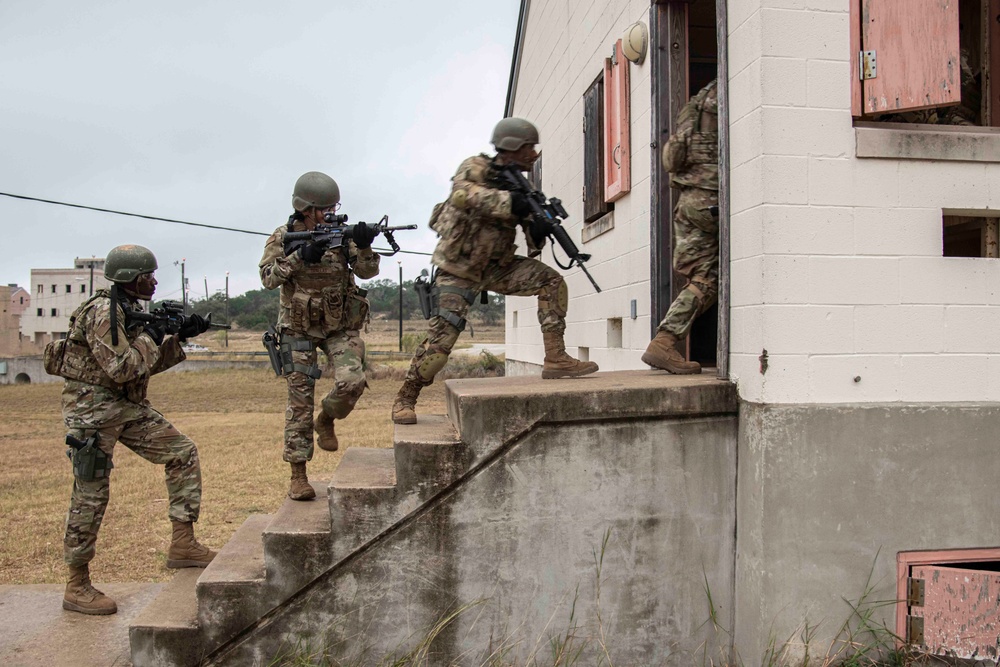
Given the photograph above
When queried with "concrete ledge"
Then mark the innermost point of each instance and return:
(927, 142)
(491, 412)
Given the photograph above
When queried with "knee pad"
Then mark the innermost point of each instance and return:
(555, 297)
(431, 365)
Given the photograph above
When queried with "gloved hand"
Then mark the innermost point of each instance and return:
(155, 331)
(192, 326)
(519, 204)
(312, 253)
(363, 235)
(540, 230)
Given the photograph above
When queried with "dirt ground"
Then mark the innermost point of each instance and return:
(236, 418)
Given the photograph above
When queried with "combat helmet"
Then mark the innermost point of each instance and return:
(125, 262)
(316, 189)
(512, 133)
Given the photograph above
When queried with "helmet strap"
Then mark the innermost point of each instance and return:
(114, 314)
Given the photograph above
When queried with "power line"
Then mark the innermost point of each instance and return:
(157, 218)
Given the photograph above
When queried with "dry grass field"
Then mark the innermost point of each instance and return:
(236, 418)
(382, 335)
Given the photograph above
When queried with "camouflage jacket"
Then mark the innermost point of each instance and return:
(475, 225)
(317, 299)
(90, 357)
(698, 127)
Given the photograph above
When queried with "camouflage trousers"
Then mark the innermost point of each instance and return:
(522, 277)
(142, 429)
(345, 352)
(696, 257)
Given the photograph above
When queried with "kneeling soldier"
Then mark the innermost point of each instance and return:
(107, 362)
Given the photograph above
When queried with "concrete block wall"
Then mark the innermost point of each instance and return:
(837, 267)
(564, 48)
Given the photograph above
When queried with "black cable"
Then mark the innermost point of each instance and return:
(153, 217)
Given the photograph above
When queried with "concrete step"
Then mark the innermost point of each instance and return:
(166, 632)
(429, 455)
(491, 414)
(297, 544)
(230, 590)
(362, 496)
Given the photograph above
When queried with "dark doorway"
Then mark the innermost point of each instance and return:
(685, 59)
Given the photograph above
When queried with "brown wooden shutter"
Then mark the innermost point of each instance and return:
(616, 126)
(916, 49)
(594, 205)
(536, 174)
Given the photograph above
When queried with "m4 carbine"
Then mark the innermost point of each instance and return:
(170, 315)
(546, 219)
(334, 232)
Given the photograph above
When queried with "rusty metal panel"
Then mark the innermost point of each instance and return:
(916, 45)
(961, 611)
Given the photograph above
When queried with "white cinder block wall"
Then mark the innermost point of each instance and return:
(564, 48)
(837, 267)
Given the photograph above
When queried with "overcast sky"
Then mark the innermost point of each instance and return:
(209, 111)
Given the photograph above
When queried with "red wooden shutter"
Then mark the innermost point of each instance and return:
(916, 49)
(617, 181)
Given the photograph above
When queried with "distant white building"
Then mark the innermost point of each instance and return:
(56, 293)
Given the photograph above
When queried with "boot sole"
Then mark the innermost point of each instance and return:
(655, 362)
(558, 375)
(69, 606)
(404, 420)
(302, 497)
(326, 446)
(177, 564)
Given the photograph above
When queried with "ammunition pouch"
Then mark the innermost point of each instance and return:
(89, 461)
(289, 345)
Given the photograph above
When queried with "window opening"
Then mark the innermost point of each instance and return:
(594, 203)
(40, 313)
(53, 289)
(55, 312)
(924, 62)
(969, 236)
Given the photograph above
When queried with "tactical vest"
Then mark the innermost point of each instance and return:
(72, 359)
(475, 225)
(322, 296)
(691, 154)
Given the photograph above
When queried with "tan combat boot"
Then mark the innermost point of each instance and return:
(185, 551)
(558, 364)
(300, 488)
(326, 437)
(661, 354)
(81, 596)
(404, 409)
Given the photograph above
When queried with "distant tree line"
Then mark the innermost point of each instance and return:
(256, 309)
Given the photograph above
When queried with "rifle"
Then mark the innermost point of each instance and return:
(334, 232)
(546, 217)
(171, 315)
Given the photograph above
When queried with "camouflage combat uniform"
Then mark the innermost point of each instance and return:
(696, 231)
(105, 391)
(476, 253)
(321, 307)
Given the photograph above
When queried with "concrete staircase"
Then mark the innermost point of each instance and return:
(430, 508)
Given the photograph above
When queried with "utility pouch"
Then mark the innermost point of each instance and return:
(52, 359)
(89, 461)
(356, 311)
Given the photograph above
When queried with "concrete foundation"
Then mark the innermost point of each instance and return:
(827, 494)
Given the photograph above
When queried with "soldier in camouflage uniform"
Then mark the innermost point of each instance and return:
(477, 227)
(692, 158)
(320, 307)
(107, 366)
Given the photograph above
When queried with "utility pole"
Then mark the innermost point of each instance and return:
(206, 288)
(91, 276)
(400, 305)
(184, 291)
(227, 308)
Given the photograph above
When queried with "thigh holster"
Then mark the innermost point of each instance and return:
(289, 345)
(89, 461)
